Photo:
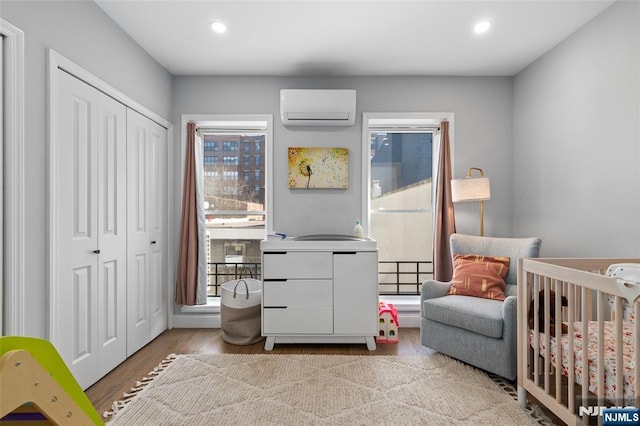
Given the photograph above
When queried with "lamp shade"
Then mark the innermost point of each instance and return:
(470, 189)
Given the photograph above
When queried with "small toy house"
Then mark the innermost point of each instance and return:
(387, 323)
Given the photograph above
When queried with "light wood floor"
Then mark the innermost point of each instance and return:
(182, 341)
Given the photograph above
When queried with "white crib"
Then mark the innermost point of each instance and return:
(575, 374)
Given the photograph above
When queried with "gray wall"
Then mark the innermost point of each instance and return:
(567, 170)
(577, 141)
(82, 32)
(482, 108)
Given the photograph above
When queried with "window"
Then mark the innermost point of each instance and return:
(210, 160)
(229, 145)
(230, 161)
(257, 160)
(400, 157)
(234, 200)
(230, 175)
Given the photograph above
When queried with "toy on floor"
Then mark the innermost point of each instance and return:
(36, 387)
(387, 323)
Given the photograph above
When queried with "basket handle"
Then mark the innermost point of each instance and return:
(248, 269)
(246, 286)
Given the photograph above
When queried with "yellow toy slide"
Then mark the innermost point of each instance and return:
(35, 381)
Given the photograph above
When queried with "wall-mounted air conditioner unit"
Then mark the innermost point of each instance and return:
(312, 107)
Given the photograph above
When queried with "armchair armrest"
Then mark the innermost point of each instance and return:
(510, 317)
(509, 307)
(432, 289)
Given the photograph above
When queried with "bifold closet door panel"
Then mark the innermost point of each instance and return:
(146, 224)
(90, 235)
(112, 233)
(138, 232)
(158, 188)
(74, 235)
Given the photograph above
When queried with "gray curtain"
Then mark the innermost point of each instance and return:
(445, 221)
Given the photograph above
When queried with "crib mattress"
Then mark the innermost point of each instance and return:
(609, 358)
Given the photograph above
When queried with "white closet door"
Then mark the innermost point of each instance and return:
(2, 144)
(112, 233)
(158, 227)
(146, 223)
(108, 247)
(138, 226)
(74, 328)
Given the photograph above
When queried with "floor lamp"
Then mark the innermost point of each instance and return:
(472, 188)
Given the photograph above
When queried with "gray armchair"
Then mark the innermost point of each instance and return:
(480, 332)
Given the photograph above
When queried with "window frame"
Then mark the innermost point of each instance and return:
(399, 121)
(238, 124)
(262, 123)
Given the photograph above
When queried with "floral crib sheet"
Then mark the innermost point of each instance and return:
(609, 358)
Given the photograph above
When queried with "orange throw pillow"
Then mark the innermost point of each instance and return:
(479, 276)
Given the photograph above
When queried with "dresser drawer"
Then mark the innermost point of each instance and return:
(300, 293)
(297, 265)
(298, 320)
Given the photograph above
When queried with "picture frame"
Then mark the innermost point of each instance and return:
(317, 167)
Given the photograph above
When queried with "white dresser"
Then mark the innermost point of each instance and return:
(319, 291)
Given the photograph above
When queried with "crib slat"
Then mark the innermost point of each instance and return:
(572, 360)
(527, 350)
(558, 325)
(547, 332)
(619, 309)
(536, 331)
(585, 317)
(600, 301)
(636, 354)
(520, 335)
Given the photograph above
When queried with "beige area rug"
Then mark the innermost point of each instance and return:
(207, 389)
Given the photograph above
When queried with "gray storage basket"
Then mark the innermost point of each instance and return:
(240, 311)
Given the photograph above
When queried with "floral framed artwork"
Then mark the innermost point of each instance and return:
(312, 167)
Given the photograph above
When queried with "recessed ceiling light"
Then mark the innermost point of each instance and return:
(482, 27)
(218, 27)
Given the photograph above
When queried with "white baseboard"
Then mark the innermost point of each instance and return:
(212, 320)
(208, 316)
(409, 319)
(209, 320)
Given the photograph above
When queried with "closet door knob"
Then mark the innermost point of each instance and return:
(153, 242)
(97, 251)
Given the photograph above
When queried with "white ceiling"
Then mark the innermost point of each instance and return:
(356, 37)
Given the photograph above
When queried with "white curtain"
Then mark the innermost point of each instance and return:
(201, 289)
